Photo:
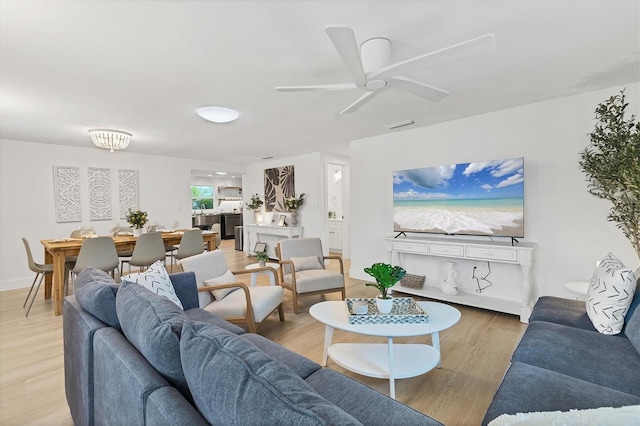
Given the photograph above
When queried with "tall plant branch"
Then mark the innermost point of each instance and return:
(611, 164)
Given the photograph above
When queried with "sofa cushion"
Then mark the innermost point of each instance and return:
(153, 325)
(250, 387)
(562, 311)
(368, 406)
(300, 365)
(198, 314)
(156, 279)
(609, 295)
(95, 291)
(593, 357)
(225, 278)
(527, 388)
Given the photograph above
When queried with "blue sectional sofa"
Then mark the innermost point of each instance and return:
(133, 357)
(562, 363)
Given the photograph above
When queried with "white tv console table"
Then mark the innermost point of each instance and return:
(520, 255)
(269, 235)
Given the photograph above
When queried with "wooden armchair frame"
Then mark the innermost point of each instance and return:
(248, 319)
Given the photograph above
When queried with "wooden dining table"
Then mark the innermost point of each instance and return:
(55, 251)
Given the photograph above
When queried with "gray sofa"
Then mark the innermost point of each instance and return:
(563, 363)
(133, 357)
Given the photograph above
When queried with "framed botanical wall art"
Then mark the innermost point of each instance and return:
(99, 193)
(279, 183)
(66, 181)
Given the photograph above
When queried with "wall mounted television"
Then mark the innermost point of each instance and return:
(480, 198)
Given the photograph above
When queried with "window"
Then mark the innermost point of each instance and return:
(201, 196)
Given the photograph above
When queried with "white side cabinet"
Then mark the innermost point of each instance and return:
(269, 235)
(519, 255)
(335, 236)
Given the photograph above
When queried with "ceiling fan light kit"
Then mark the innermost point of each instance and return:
(370, 68)
(112, 140)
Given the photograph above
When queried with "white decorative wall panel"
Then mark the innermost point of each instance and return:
(66, 181)
(99, 193)
(127, 191)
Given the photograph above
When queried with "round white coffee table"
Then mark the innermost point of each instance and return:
(379, 360)
(272, 278)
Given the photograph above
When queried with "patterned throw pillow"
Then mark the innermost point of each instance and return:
(156, 279)
(225, 278)
(609, 295)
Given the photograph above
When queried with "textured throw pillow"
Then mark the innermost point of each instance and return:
(156, 279)
(225, 278)
(609, 295)
(306, 263)
(153, 325)
(627, 415)
(96, 291)
(271, 393)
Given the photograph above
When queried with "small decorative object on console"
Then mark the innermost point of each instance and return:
(386, 277)
(413, 281)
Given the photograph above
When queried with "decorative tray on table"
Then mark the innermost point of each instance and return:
(405, 311)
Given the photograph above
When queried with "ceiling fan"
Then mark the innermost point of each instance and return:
(369, 66)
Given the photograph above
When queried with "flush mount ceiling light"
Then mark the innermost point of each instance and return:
(218, 114)
(110, 139)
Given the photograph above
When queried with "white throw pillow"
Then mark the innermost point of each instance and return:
(609, 295)
(306, 263)
(225, 278)
(627, 415)
(156, 279)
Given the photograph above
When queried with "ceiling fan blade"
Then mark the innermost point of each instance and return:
(344, 40)
(430, 93)
(476, 46)
(341, 86)
(361, 101)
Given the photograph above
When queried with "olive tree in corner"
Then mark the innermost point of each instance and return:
(611, 163)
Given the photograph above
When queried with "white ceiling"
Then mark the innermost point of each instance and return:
(146, 66)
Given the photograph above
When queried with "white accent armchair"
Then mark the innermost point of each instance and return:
(220, 293)
(302, 269)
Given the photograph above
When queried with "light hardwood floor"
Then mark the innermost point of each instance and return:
(475, 355)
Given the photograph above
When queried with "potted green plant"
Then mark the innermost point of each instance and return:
(262, 257)
(137, 219)
(293, 204)
(611, 163)
(386, 276)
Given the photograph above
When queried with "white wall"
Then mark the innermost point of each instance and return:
(309, 172)
(568, 224)
(28, 205)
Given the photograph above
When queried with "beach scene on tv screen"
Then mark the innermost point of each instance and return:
(480, 198)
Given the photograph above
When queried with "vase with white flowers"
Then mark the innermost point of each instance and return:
(293, 204)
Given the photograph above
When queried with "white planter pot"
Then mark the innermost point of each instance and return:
(384, 305)
(138, 231)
